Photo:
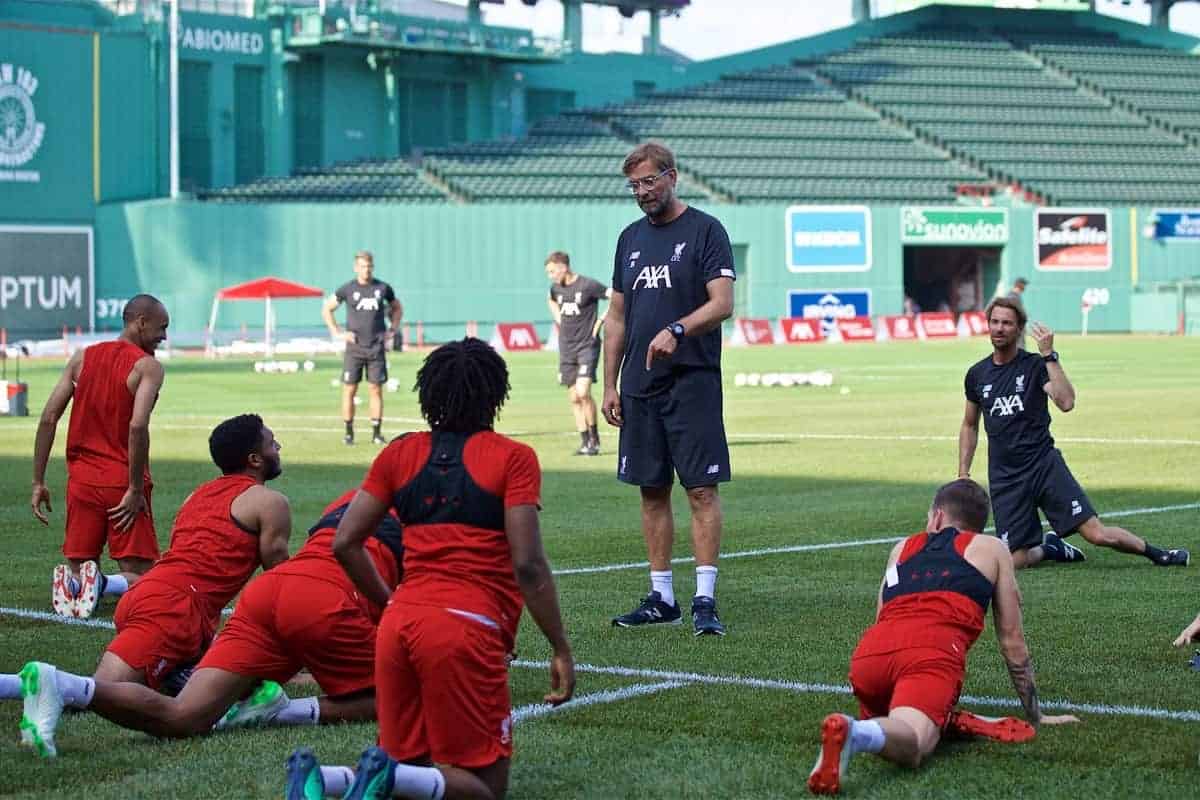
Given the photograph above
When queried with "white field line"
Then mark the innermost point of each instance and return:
(1136, 441)
(669, 680)
(534, 710)
(804, 548)
(799, 687)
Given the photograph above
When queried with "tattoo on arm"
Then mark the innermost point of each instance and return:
(1022, 680)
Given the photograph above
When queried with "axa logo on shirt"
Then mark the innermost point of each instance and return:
(653, 276)
(571, 309)
(367, 303)
(1006, 406)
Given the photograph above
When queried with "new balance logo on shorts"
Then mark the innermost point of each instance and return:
(1076, 508)
(1006, 406)
(623, 460)
(713, 469)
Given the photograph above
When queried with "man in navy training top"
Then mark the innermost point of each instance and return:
(1025, 470)
(672, 287)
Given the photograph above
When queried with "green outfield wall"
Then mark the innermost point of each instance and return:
(451, 264)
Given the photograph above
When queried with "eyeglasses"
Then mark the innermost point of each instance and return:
(645, 183)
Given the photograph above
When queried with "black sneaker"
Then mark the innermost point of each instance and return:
(704, 617)
(1174, 558)
(1056, 549)
(652, 611)
(584, 450)
(348, 438)
(378, 439)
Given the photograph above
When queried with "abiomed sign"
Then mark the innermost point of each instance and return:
(20, 132)
(953, 225)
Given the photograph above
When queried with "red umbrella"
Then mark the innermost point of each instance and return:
(264, 289)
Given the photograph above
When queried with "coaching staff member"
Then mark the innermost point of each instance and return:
(369, 303)
(672, 287)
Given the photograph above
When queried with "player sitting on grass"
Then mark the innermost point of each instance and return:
(304, 613)
(909, 666)
(223, 531)
(468, 500)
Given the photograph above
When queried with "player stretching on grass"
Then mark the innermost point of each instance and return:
(114, 386)
(223, 531)
(468, 500)
(1025, 471)
(909, 666)
(304, 613)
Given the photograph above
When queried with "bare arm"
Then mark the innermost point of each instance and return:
(149, 375)
(968, 439)
(359, 522)
(600, 317)
(396, 313)
(327, 310)
(541, 598)
(1189, 633)
(614, 351)
(43, 443)
(1059, 388)
(273, 516)
(715, 310)
(893, 557)
(555, 313)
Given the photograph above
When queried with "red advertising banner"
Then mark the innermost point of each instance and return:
(801, 331)
(899, 327)
(856, 329)
(936, 325)
(513, 337)
(972, 323)
(752, 331)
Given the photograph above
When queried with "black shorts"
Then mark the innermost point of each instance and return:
(1047, 485)
(678, 430)
(371, 357)
(578, 362)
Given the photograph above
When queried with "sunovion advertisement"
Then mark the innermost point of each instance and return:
(829, 306)
(828, 238)
(1072, 239)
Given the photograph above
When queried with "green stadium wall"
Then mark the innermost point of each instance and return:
(451, 264)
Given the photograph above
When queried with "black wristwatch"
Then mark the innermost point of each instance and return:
(1052, 358)
(676, 329)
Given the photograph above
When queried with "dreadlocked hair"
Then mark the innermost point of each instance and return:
(461, 386)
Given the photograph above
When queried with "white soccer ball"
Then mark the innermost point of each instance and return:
(739, 379)
(357, 400)
(258, 366)
(393, 385)
(334, 382)
(753, 379)
(845, 390)
(309, 366)
(787, 379)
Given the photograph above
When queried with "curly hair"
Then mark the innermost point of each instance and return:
(462, 385)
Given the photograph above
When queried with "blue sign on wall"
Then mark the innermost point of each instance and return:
(828, 238)
(1177, 223)
(829, 305)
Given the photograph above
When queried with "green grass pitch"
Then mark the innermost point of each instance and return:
(811, 466)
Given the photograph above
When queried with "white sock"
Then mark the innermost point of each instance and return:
(419, 783)
(10, 687)
(301, 711)
(661, 582)
(866, 736)
(115, 585)
(337, 780)
(706, 581)
(76, 690)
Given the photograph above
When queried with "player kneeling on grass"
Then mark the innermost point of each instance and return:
(909, 666)
(304, 613)
(225, 529)
(468, 500)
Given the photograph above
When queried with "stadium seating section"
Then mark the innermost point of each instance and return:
(1082, 118)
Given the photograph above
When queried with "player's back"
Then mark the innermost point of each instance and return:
(315, 559)
(102, 406)
(932, 597)
(450, 492)
(211, 554)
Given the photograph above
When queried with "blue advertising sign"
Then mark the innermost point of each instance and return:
(1177, 223)
(829, 305)
(828, 238)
